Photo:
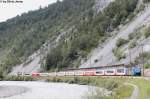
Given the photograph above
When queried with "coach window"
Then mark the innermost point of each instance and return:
(109, 71)
(120, 70)
(99, 72)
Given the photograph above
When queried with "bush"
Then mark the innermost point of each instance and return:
(110, 85)
(141, 8)
(19, 78)
(147, 33)
(132, 36)
(136, 35)
(132, 44)
(1, 75)
(147, 65)
(143, 57)
(121, 42)
(118, 53)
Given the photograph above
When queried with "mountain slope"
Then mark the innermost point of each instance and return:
(34, 62)
(25, 34)
(105, 55)
(62, 34)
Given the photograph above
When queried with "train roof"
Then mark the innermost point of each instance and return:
(102, 66)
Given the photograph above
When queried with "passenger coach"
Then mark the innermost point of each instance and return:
(111, 70)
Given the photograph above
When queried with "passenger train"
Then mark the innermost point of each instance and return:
(114, 70)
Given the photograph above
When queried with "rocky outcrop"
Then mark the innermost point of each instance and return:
(101, 4)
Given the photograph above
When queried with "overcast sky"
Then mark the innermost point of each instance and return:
(9, 10)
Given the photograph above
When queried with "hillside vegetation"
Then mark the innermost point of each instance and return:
(25, 34)
(89, 34)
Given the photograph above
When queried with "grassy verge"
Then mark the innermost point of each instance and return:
(144, 88)
(19, 78)
(116, 85)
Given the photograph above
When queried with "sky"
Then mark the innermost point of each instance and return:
(10, 10)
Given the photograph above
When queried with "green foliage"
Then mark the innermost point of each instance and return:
(121, 10)
(136, 35)
(147, 65)
(143, 58)
(123, 91)
(1, 74)
(120, 42)
(147, 33)
(131, 36)
(144, 88)
(70, 80)
(133, 44)
(23, 35)
(141, 8)
(19, 78)
(118, 53)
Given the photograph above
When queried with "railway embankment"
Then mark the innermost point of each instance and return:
(135, 92)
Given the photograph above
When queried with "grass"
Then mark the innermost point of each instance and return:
(123, 92)
(115, 84)
(147, 65)
(144, 87)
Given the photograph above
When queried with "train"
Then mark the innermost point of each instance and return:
(114, 70)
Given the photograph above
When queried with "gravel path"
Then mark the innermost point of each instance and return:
(135, 92)
(42, 90)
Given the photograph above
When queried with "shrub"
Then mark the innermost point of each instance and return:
(121, 42)
(147, 33)
(19, 78)
(132, 44)
(131, 36)
(147, 65)
(118, 53)
(143, 57)
(141, 8)
(1, 75)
